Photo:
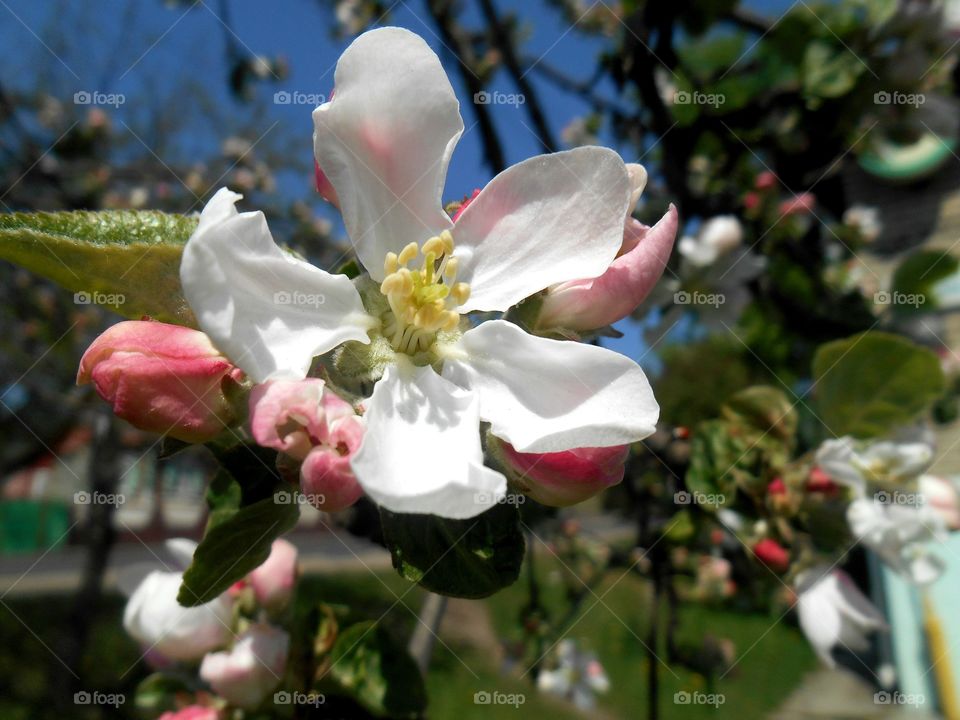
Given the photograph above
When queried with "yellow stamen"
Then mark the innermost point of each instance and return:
(422, 300)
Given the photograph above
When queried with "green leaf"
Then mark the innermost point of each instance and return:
(713, 454)
(157, 693)
(233, 547)
(915, 282)
(128, 260)
(870, 383)
(766, 410)
(376, 670)
(829, 71)
(462, 558)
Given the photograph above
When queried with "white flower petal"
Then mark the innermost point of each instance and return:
(546, 220)
(545, 395)
(384, 142)
(421, 452)
(269, 312)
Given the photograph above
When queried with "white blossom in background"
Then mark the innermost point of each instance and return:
(162, 626)
(578, 676)
(833, 612)
(865, 219)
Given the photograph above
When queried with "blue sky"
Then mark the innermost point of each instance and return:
(148, 50)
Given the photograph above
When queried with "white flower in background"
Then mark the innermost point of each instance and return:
(884, 463)
(899, 534)
(251, 669)
(941, 496)
(154, 618)
(577, 677)
(865, 219)
(833, 611)
(717, 237)
(384, 143)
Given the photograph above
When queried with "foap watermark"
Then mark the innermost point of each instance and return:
(488, 498)
(696, 697)
(98, 298)
(683, 97)
(286, 497)
(83, 497)
(883, 97)
(299, 698)
(683, 297)
(885, 697)
(896, 297)
(95, 97)
(85, 697)
(495, 97)
(683, 497)
(283, 97)
(299, 299)
(487, 697)
(896, 497)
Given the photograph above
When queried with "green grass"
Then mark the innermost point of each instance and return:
(773, 655)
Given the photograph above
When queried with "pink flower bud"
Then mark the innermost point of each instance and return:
(192, 712)
(765, 180)
(802, 204)
(163, 378)
(565, 478)
(819, 481)
(252, 669)
(772, 554)
(592, 303)
(751, 201)
(306, 421)
(777, 487)
(273, 581)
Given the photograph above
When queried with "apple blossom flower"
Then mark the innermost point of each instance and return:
(251, 669)
(306, 421)
(577, 677)
(564, 478)
(859, 465)
(865, 219)
(833, 611)
(384, 141)
(592, 303)
(154, 618)
(801, 204)
(273, 581)
(765, 181)
(192, 712)
(899, 534)
(718, 236)
(162, 378)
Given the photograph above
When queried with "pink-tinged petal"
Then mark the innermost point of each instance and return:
(162, 378)
(594, 303)
(268, 311)
(324, 186)
(543, 221)
(384, 141)
(326, 476)
(566, 478)
(273, 581)
(465, 204)
(288, 415)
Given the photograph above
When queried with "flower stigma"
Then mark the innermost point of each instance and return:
(423, 301)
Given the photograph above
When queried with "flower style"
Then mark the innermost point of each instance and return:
(164, 627)
(384, 142)
(833, 611)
